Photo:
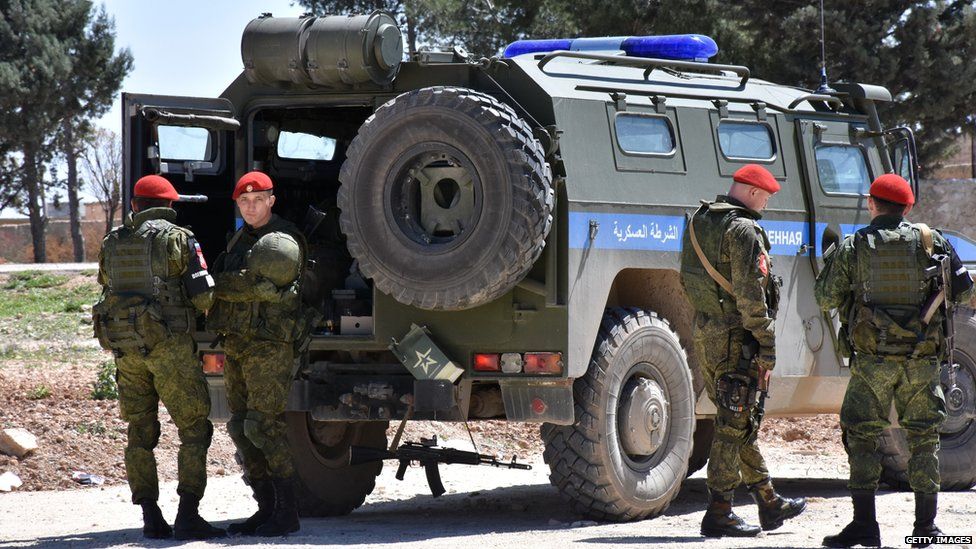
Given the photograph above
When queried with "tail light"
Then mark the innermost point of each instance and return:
(487, 362)
(543, 363)
(213, 363)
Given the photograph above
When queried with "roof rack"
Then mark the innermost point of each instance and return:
(817, 97)
(648, 64)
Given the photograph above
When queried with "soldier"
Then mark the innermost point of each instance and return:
(725, 270)
(258, 314)
(879, 281)
(154, 284)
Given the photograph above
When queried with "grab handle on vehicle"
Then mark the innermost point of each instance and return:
(648, 64)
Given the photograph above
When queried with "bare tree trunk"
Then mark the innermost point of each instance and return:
(74, 217)
(35, 203)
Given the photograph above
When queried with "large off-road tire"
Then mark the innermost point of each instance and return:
(627, 453)
(957, 465)
(446, 198)
(328, 485)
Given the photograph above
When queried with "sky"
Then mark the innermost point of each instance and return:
(183, 47)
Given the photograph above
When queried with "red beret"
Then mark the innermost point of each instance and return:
(893, 188)
(252, 182)
(154, 186)
(757, 176)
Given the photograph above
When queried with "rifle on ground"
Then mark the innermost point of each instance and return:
(429, 456)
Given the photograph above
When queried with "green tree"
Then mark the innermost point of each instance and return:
(49, 82)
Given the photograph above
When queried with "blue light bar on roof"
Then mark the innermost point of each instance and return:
(695, 47)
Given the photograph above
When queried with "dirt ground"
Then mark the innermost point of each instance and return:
(48, 364)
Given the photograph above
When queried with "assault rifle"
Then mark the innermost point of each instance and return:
(942, 299)
(428, 455)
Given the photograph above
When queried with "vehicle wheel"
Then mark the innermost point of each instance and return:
(329, 486)
(446, 198)
(627, 453)
(704, 433)
(958, 434)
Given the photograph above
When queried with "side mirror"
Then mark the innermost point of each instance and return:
(904, 157)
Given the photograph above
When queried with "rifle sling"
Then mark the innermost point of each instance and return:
(716, 276)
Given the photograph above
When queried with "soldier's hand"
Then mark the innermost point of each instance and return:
(764, 376)
(765, 359)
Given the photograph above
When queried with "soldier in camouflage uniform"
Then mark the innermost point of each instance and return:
(155, 282)
(725, 270)
(259, 314)
(877, 280)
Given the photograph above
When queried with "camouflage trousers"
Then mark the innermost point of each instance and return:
(258, 376)
(914, 387)
(734, 457)
(171, 373)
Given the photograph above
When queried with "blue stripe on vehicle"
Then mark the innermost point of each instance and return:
(664, 233)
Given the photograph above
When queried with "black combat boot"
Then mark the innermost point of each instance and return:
(720, 521)
(284, 516)
(190, 525)
(774, 509)
(264, 495)
(864, 529)
(926, 506)
(153, 524)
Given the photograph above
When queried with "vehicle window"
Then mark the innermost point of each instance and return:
(842, 169)
(184, 143)
(746, 140)
(644, 134)
(305, 146)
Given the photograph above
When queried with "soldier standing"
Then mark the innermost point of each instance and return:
(153, 277)
(258, 314)
(879, 281)
(725, 270)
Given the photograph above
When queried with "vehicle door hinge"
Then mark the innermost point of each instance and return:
(619, 101)
(760, 109)
(723, 107)
(659, 102)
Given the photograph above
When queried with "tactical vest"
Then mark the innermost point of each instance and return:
(283, 321)
(712, 221)
(144, 303)
(890, 287)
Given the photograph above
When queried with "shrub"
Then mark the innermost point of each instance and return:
(105, 387)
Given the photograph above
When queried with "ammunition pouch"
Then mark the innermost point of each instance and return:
(126, 324)
(893, 330)
(736, 392)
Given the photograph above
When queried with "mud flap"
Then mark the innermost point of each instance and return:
(434, 372)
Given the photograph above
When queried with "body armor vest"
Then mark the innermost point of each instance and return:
(890, 286)
(144, 303)
(276, 321)
(712, 221)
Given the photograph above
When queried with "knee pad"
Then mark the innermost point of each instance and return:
(144, 434)
(254, 428)
(200, 433)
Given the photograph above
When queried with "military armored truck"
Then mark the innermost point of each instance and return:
(500, 238)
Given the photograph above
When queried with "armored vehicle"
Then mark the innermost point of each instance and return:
(500, 238)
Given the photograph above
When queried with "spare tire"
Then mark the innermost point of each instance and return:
(446, 198)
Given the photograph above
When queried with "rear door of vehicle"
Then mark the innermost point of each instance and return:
(191, 142)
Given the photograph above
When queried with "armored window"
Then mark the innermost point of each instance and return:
(643, 134)
(842, 169)
(746, 140)
(185, 143)
(305, 146)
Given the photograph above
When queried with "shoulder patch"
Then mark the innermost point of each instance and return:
(763, 264)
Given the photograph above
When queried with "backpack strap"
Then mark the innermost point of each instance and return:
(927, 242)
(716, 276)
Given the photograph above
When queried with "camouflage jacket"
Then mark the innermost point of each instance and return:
(248, 304)
(183, 254)
(738, 248)
(865, 327)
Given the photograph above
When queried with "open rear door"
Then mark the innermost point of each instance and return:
(190, 141)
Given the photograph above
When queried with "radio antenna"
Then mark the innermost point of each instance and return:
(824, 88)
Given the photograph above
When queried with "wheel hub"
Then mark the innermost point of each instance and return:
(644, 417)
(960, 399)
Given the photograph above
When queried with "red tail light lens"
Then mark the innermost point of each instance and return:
(213, 364)
(487, 362)
(543, 363)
